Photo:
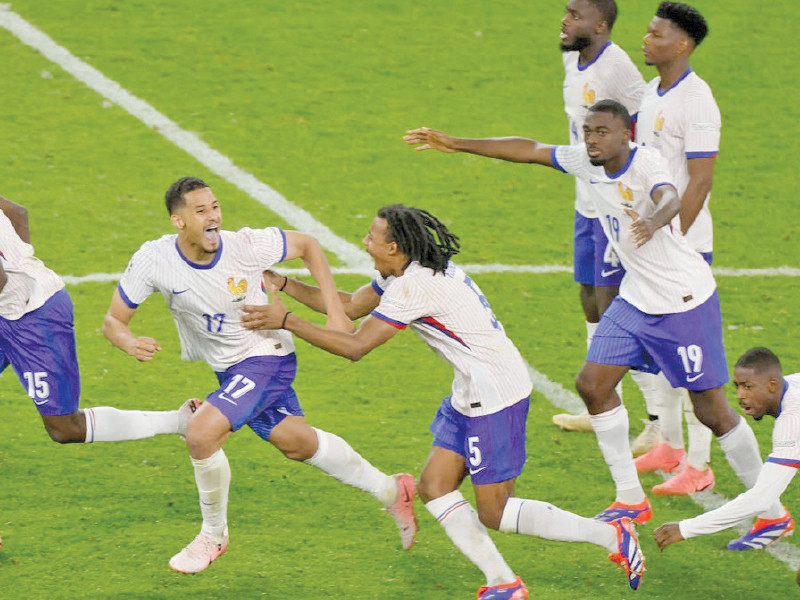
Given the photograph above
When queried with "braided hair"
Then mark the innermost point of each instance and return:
(420, 236)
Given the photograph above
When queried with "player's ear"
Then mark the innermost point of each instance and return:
(176, 221)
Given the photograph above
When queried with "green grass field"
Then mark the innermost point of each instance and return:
(312, 98)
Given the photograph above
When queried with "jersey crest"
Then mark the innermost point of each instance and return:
(588, 94)
(238, 290)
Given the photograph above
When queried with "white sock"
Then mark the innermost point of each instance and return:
(741, 450)
(544, 520)
(213, 477)
(699, 453)
(611, 429)
(645, 383)
(590, 329)
(669, 403)
(339, 460)
(107, 424)
(463, 527)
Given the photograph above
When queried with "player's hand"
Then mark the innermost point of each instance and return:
(430, 139)
(144, 349)
(273, 278)
(641, 229)
(265, 316)
(667, 534)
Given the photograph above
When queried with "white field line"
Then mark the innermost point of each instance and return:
(347, 252)
(216, 162)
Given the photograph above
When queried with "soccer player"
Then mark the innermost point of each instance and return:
(480, 428)
(761, 389)
(206, 275)
(679, 117)
(38, 340)
(595, 69)
(666, 316)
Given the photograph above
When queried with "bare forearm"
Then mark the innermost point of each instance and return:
(311, 296)
(513, 149)
(119, 335)
(668, 206)
(692, 203)
(339, 343)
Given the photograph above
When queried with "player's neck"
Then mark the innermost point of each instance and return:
(194, 253)
(671, 72)
(589, 53)
(614, 166)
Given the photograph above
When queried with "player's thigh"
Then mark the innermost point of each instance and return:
(206, 431)
(295, 438)
(40, 346)
(712, 409)
(688, 346)
(442, 473)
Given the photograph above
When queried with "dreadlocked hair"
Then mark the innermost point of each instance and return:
(420, 236)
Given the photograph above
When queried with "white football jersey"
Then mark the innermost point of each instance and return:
(665, 275)
(774, 477)
(452, 315)
(611, 75)
(206, 300)
(30, 283)
(786, 434)
(682, 123)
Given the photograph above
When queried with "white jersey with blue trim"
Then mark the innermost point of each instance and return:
(206, 300)
(611, 75)
(452, 315)
(30, 283)
(682, 122)
(663, 276)
(775, 476)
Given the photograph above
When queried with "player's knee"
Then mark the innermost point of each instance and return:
(587, 388)
(490, 518)
(65, 433)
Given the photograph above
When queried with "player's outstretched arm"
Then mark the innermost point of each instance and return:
(303, 246)
(372, 333)
(18, 215)
(356, 304)
(513, 149)
(116, 329)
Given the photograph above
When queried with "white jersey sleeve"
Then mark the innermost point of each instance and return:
(702, 124)
(771, 483)
(136, 283)
(30, 283)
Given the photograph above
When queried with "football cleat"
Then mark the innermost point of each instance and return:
(198, 555)
(515, 590)
(403, 510)
(185, 413)
(638, 513)
(569, 422)
(663, 457)
(688, 481)
(763, 533)
(648, 439)
(629, 556)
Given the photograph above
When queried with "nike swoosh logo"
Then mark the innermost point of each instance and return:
(609, 273)
(691, 378)
(40, 402)
(474, 471)
(593, 181)
(176, 292)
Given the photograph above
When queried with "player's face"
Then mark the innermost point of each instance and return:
(379, 249)
(758, 393)
(606, 140)
(579, 25)
(198, 223)
(663, 42)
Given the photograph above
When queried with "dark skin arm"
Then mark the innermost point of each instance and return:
(701, 174)
(18, 215)
(356, 304)
(512, 149)
(370, 334)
